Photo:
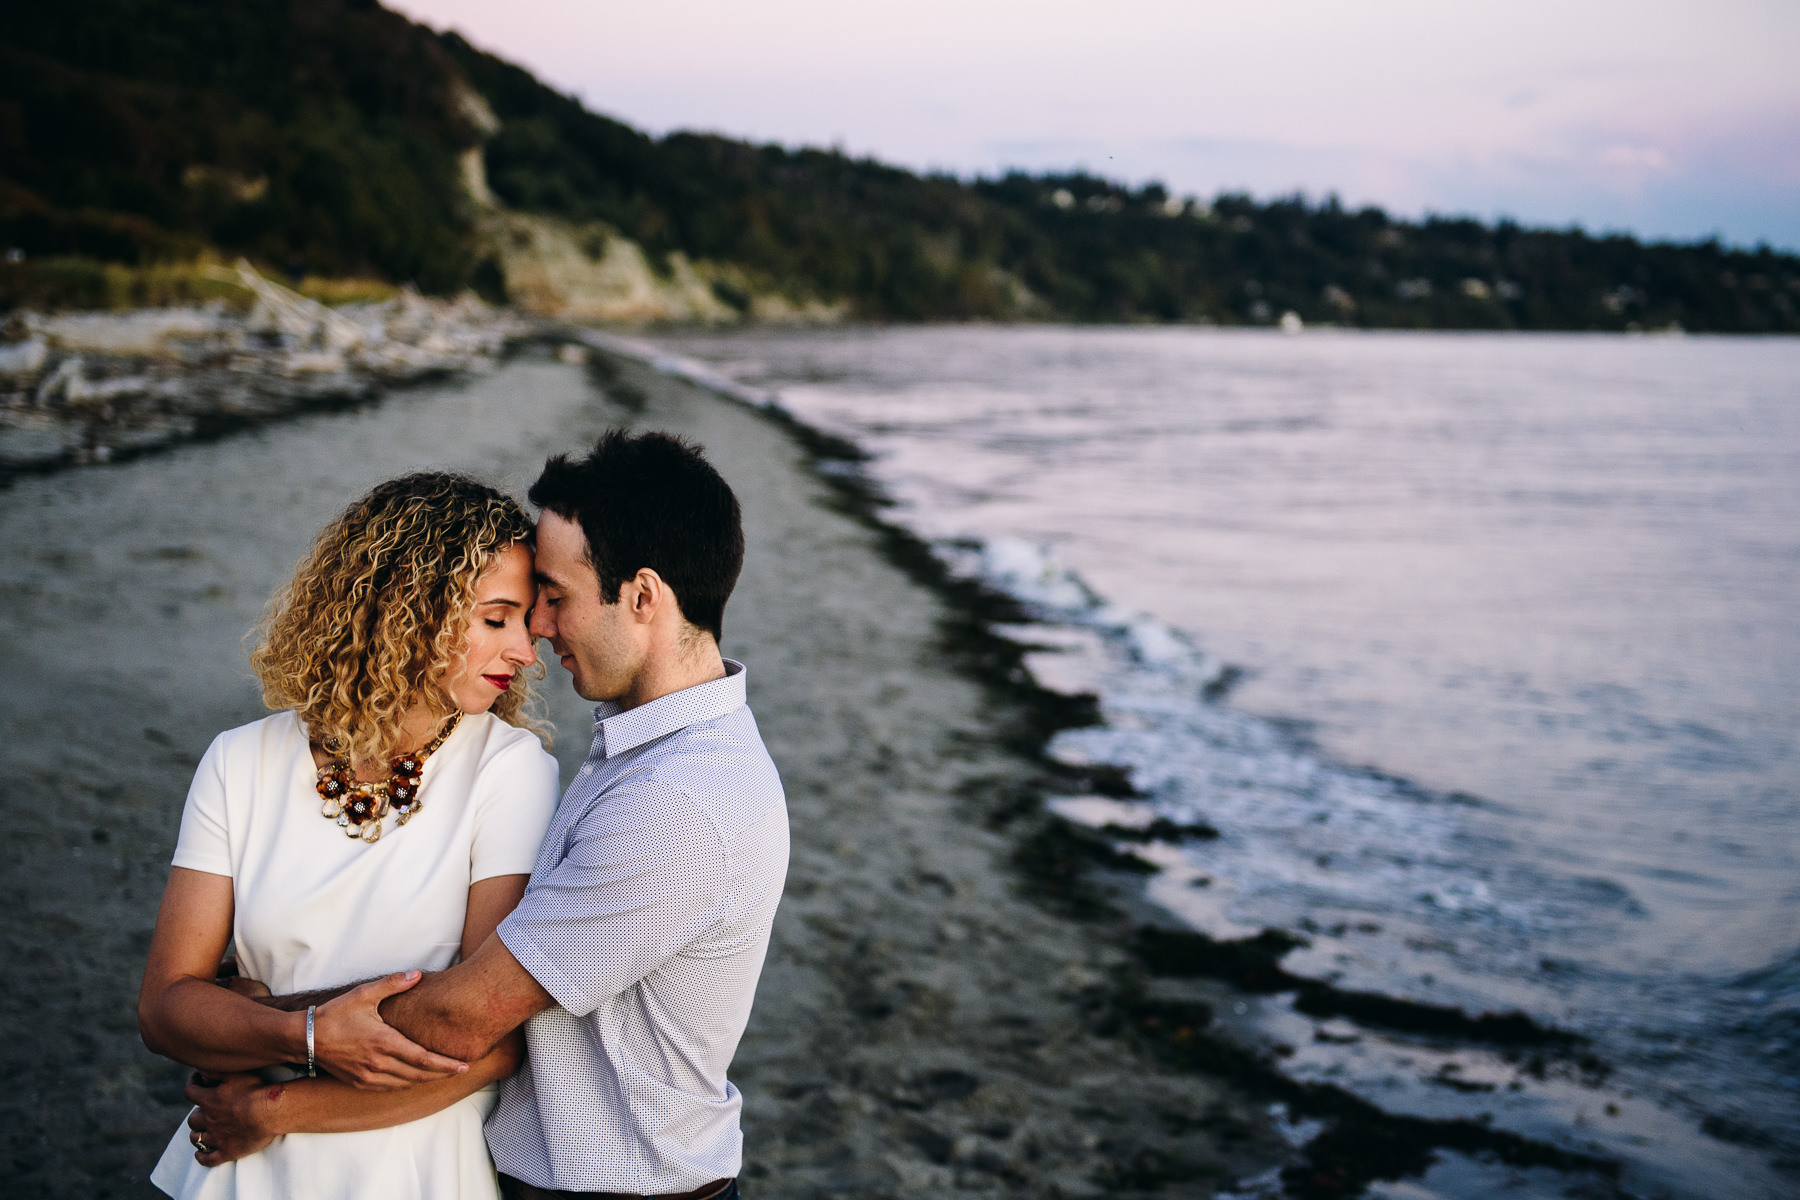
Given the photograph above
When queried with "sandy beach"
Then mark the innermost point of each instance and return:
(936, 1016)
(1278, 639)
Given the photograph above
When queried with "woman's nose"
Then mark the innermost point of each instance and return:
(523, 650)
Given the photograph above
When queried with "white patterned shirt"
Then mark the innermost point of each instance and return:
(647, 918)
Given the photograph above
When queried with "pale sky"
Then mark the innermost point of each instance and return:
(1668, 120)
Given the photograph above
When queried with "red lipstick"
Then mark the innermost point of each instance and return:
(500, 681)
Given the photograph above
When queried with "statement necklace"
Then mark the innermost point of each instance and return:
(359, 807)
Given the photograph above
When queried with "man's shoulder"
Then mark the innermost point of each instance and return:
(717, 767)
(723, 751)
(728, 734)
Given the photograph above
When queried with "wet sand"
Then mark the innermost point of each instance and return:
(942, 1007)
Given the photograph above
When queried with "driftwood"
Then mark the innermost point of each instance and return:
(89, 387)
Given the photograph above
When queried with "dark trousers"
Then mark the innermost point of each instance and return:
(518, 1189)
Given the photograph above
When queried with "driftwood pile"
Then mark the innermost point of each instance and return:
(90, 387)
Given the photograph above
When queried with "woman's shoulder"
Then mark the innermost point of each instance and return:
(278, 729)
(493, 739)
(511, 767)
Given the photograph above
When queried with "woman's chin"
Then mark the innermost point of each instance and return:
(474, 706)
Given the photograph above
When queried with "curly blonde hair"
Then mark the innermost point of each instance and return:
(378, 611)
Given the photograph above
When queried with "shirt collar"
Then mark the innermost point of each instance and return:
(616, 732)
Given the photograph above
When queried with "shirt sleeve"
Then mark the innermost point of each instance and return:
(515, 798)
(643, 876)
(204, 843)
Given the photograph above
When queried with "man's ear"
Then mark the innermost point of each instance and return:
(648, 594)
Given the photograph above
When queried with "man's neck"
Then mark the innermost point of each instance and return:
(697, 663)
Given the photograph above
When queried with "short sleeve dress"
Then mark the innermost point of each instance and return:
(317, 909)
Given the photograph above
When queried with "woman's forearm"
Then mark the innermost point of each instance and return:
(197, 1022)
(325, 1105)
(182, 1012)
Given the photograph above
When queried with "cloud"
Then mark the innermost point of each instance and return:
(1637, 158)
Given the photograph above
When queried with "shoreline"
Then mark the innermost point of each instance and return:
(106, 385)
(1094, 874)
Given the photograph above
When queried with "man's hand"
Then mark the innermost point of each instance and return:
(353, 1043)
(229, 1120)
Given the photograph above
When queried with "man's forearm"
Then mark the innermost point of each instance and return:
(465, 1011)
(431, 1024)
(429, 1015)
(301, 1001)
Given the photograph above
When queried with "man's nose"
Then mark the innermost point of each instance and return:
(539, 623)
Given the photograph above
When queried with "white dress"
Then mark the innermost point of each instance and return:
(317, 909)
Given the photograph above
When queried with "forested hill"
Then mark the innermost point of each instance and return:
(322, 131)
(330, 136)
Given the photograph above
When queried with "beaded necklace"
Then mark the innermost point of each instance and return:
(360, 806)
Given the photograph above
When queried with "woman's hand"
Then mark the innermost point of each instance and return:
(232, 1117)
(355, 1045)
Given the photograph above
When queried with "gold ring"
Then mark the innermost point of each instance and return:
(200, 1143)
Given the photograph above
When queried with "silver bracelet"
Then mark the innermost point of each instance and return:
(312, 1071)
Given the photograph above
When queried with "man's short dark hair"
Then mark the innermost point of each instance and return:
(652, 500)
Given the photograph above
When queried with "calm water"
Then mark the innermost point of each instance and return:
(1520, 675)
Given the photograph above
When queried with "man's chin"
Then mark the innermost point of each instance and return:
(567, 663)
(587, 687)
(584, 689)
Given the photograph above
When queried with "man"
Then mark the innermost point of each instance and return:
(633, 957)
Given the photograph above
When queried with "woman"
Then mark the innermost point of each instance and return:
(386, 819)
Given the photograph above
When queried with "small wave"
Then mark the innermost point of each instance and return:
(1303, 842)
(1406, 917)
(1772, 997)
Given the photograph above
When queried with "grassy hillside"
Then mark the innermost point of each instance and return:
(325, 136)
